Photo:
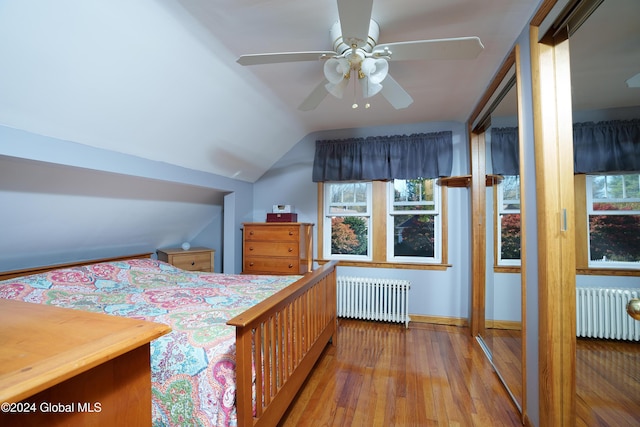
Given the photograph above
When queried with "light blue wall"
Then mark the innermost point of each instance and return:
(63, 202)
(433, 293)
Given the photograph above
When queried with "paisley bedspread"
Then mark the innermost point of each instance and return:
(192, 367)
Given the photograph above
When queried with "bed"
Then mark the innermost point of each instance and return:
(240, 348)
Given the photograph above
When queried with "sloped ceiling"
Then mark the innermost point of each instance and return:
(158, 78)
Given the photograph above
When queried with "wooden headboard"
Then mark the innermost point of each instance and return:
(5, 275)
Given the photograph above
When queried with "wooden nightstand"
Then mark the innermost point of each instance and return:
(194, 259)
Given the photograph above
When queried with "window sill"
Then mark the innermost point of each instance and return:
(396, 265)
(506, 269)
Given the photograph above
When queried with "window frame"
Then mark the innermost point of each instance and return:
(378, 231)
(391, 232)
(583, 264)
(327, 223)
(590, 211)
(505, 265)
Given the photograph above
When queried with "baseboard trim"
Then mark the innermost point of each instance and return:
(439, 320)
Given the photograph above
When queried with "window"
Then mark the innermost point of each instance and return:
(378, 223)
(508, 221)
(348, 220)
(613, 220)
(413, 232)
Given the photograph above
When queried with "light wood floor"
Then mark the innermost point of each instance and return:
(385, 375)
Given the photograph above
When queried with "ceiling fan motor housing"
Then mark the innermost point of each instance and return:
(340, 45)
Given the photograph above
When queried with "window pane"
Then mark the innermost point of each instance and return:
(413, 195)
(349, 235)
(615, 192)
(510, 236)
(414, 235)
(355, 192)
(510, 186)
(614, 238)
(348, 198)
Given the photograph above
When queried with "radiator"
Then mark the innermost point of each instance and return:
(366, 298)
(602, 313)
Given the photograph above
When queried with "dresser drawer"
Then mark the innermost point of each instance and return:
(271, 265)
(280, 249)
(272, 232)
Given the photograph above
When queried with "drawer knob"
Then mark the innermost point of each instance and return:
(290, 249)
(251, 232)
(193, 263)
(250, 264)
(250, 248)
(290, 265)
(290, 233)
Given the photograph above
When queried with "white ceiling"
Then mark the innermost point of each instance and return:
(158, 78)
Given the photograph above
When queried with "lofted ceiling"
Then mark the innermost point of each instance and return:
(158, 79)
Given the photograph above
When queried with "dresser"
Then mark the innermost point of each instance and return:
(194, 259)
(277, 248)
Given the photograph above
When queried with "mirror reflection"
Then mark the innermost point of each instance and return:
(605, 76)
(503, 298)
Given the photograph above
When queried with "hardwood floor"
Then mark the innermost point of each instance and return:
(385, 375)
(607, 383)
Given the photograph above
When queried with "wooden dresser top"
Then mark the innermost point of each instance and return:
(43, 345)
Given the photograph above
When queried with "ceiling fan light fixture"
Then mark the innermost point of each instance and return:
(338, 89)
(372, 73)
(376, 69)
(369, 88)
(336, 70)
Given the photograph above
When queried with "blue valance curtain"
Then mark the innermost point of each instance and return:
(505, 151)
(424, 155)
(612, 146)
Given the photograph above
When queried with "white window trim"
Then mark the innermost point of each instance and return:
(498, 218)
(436, 212)
(590, 211)
(327, 216)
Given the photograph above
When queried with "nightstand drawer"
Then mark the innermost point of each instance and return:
(194, 259)
(193, 262)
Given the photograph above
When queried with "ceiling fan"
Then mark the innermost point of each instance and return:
(356, 53)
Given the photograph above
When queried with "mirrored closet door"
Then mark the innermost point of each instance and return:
(496, 132)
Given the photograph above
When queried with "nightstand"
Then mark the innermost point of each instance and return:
(194, 259)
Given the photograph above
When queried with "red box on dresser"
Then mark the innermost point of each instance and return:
(282, 217)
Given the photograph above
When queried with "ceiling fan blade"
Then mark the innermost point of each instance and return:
(634, 81)
(355, 17)
(395, 94)
(315, 98)
(453, 48)
(275, 58)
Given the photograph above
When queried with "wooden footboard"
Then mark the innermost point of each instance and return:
(284, 335)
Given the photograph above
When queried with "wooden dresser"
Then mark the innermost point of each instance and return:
(69, 367)
(277, 248)
(194, 259)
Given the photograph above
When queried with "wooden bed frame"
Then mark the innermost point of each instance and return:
(284, 335)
